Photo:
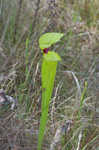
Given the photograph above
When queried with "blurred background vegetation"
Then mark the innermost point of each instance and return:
(22, 22)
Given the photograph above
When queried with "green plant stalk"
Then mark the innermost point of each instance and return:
(27, 72)
(48, 76)
(23, 85)
(82, 98)
(83, 94)
(26, 56)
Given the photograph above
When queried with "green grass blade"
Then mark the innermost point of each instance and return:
(82, 99)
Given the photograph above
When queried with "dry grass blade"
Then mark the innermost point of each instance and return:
(76, 81)
(79, 140)
(61, 130)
